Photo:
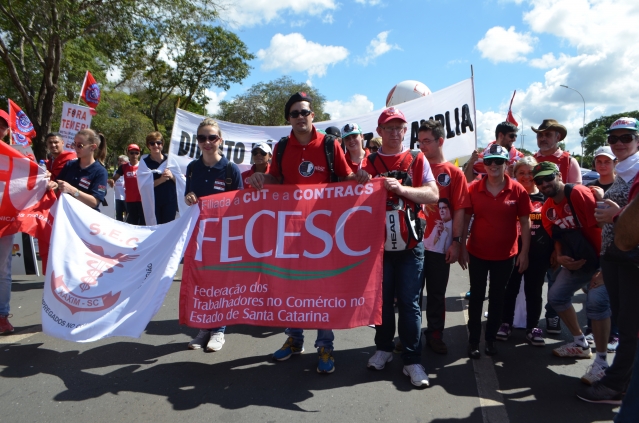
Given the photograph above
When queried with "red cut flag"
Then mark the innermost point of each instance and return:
(20, 123)
(90, 92)
(510, 118)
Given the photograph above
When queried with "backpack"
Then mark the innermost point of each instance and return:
(405, 222)
(329, 149)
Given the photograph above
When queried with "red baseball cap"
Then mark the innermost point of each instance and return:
(4, 115)
(390, 113)
(133, 147)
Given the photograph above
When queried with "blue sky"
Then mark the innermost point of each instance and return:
(355, 51)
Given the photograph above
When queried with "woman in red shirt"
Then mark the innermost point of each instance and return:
(497, 202)
(354, 143)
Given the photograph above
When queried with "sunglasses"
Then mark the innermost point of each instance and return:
(625, 138)
(498, 162)
(158, 143)
(304, 112)
(541, 179)
(260, 152)
(205, 138)
(135, 153)
(512, 136)
(373, 149)
(80, 146)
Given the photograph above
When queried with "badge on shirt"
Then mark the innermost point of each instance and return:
(443, 179)
(84, 183)
(219, 185)
(551, 214)
(306, 168)
(101, 188)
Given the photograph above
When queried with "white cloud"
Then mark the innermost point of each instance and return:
(505, 45)
(548, 60)
(248, 13)
(328, 18)
(377, 47)
(358, 105)
(369, 2)
(293, 52)
(298, 24)
(213, 106)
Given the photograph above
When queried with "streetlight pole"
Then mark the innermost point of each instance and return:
(583, 128)
(522, 129)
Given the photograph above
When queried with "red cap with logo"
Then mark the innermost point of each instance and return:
(133, 147)
(391, 113)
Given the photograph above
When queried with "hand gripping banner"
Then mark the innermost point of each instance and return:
(305, 256)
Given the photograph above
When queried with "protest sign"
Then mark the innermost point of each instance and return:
(305, 256)
(74, 119)
(108, 278)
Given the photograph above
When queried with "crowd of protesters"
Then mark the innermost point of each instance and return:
(506, 217)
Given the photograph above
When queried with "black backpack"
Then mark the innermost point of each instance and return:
(329, 149)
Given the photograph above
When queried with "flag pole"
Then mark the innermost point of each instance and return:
(83, 82)
(472, 80)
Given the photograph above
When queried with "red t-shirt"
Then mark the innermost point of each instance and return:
(55, 165)
(306, 164)
(452, 186)
(494, 232)
(130, 175)
(560, 214)
(563, 162)
(355, 166)
(248, 173)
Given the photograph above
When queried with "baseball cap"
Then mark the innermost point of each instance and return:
(605, 151)
(496, 151)
(334, 131)
(545, 168)
(133, 147)
(390, 113)
(350, 129)
(624, 123)
(297, 97)
(262, 146)
(4, 115)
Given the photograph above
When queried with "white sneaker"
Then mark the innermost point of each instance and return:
(418, 376)
(379, 360)
(595, 372)
(200, 340)
(572, 350)
(216, 342)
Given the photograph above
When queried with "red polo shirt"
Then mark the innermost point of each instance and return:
(355, 166)
(130, 175)
(306, 164)
(248, 173)
(493, 235)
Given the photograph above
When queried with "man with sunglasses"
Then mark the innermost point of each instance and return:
(505, 135)
(304, 161)
(135, 213)
(576, 272)
(261, 154)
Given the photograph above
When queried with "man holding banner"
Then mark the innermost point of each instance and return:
(410, 183)
(58, 156)
(305, 161)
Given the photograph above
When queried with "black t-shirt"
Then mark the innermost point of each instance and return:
(541, 245)
(596, 183)
(165, 193)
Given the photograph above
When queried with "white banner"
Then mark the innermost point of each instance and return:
(454, 106)
(74, 119)
(108, 278)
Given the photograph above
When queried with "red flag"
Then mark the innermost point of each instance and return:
(91, 92)
(510, 118)
(21, 127)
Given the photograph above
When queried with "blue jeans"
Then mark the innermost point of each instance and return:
(324, 339)
(565, 286)
(630, 406)
(6, 248)
(222, 329)
(402, 278)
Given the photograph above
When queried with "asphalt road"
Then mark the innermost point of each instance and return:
(156, 378)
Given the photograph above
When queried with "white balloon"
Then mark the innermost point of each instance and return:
(406, 91)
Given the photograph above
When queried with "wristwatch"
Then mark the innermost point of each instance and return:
(457, 238)
(76, 194)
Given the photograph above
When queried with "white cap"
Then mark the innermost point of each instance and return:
(605, 151)
(262, 146)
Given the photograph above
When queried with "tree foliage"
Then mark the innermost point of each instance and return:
(263, 103)
(596, 131)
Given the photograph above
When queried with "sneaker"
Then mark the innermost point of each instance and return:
(326, 362)
(200, 340)
(438, 345)
(287, 350)
(613, 343)
(504, 332)
(379, 360)
(590, 338)
(572, 350)
(597, 393)
(216, 342)
(553, 325)
(594, 373)
(418, 376)
(5, 326)
(535, 337)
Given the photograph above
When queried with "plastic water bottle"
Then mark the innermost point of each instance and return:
(42, 165)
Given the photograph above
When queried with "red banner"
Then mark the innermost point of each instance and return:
(90, 92)
(305, 256)
(24, 198)
(20, 124)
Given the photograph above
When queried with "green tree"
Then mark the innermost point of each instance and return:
(263, 103)
(596, 134)
(41, 42)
